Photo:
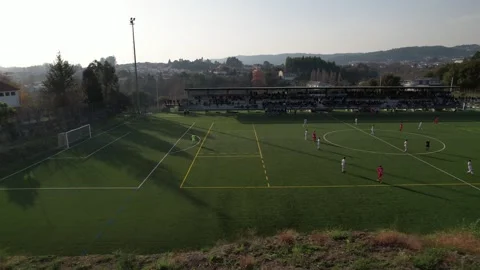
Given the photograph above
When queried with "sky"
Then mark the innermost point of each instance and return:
(33, 31)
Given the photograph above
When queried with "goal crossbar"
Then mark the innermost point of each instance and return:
(67, 138)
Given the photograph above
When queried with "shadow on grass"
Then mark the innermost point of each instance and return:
(417, 192)
(122, 155)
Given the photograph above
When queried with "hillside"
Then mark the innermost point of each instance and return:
(290, 250)
(419, 53)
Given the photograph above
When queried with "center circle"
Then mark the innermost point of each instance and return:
(385, 153)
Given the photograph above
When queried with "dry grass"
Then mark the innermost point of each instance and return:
(397, 239)
(287, 237)
(291, 250)
(461, 241)
(319, 238)
(247, 262)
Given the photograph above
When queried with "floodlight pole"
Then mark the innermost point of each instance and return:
(132, 23)
(156, 82)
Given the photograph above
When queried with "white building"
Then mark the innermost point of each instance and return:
(9, 94)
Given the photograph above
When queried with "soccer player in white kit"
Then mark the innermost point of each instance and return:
(372, 131)
(469, 167)
(318, 143)
(356, 121)
(306, 134)
(419, 125)
(304, 122)
(405, 145)
(344, 162)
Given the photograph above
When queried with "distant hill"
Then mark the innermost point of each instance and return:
(418, 54)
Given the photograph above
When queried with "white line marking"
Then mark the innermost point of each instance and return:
(415, 157)
(385, 153)
(45, 159)
(96, 151)
(69, 188)
(158, 164)
(188, 148)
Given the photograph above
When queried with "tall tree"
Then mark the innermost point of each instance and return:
(476, 56)
(92, 86)
(390, 80)
(233, 62)
(59, 80)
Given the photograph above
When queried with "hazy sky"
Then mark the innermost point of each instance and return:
(33, 31)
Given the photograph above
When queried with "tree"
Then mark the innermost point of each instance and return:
(476, 56)
(371, 82)
(59, 80)
(391, 80)
(5, 113)
(92, 86)
(267, 65)
(234, 62)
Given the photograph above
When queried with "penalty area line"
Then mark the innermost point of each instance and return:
(56, 154)
(196, 155)
(158, 164)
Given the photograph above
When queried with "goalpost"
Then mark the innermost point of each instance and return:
(65, 139)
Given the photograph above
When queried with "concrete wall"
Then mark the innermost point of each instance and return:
(11, 98)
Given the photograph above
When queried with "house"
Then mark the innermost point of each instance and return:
(9, 94)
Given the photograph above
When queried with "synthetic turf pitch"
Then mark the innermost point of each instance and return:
(144, 186)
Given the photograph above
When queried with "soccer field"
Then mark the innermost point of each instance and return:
(144, 186)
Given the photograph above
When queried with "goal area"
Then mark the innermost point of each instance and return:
(66, 139)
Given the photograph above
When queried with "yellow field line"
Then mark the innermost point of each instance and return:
(232, 156)
(334, 186)
(196, 155)
(261, 155)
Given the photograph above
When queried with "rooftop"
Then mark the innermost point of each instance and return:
(6, 87)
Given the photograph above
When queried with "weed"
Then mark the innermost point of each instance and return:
(287, 237)
(461, 241)
(430, 259)
(125, 261)
(247, 262)
(396, 239)
(338, 235)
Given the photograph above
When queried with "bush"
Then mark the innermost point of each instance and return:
(430, 259)
(397, 239)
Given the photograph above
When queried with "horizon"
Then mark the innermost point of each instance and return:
(210, 30)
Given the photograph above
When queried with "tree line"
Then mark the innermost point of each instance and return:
(465, 74)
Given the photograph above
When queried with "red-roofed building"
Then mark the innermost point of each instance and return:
(9, 94)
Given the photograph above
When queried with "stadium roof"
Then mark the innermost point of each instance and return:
(324, 88)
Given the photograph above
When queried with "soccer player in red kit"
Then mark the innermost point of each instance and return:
(401, 126)
(379, 173)
(436, 120)
(314, 136)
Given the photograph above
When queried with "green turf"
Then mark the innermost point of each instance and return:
(226, 182)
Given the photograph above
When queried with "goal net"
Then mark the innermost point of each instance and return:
(66, 139)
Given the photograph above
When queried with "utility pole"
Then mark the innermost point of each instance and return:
(132, 23)
(158, 105)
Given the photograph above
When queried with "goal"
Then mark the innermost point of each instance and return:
(66, 139)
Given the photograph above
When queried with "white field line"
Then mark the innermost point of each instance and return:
(45, 159)
(94, 152)
(415, 157)
(158, 164)
(188, 148)
(69, 188)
